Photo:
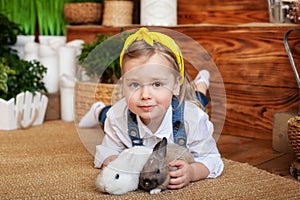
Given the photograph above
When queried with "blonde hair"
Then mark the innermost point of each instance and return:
(140, 49)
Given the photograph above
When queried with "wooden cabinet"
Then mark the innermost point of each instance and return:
(250, 57)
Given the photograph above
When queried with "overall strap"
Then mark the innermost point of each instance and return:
(133, 130)
(179, 134)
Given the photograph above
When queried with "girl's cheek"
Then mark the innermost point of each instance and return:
(132, 105)
(131, 95)
(131, 99)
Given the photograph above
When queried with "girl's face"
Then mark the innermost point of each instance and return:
(148, 87)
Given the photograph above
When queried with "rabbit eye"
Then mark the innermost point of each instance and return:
(117, 176)
(157, 171)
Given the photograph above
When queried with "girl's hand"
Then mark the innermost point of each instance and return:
(182, 176)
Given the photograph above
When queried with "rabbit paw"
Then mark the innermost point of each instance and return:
(155, 191)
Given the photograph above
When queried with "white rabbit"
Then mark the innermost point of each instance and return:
(122, 174)
(154, 176)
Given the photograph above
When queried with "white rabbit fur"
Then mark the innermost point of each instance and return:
(122, 174)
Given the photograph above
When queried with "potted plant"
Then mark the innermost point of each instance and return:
(100, 59)
(20, 80)
(100, 62)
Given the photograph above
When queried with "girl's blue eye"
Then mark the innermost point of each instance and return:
(157, 84)
(134, 85)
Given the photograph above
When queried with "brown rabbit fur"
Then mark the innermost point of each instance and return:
(155, 174)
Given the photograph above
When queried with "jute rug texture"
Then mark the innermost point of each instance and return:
(50, 162)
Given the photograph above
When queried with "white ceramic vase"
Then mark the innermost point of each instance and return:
(159, 12)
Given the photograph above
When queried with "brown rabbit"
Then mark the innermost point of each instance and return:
(154, 176)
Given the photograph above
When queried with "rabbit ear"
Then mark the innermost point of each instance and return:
(161, 148)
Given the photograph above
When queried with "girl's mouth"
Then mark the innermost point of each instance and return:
(146, 108)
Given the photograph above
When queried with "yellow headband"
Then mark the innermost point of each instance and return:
(149, 38)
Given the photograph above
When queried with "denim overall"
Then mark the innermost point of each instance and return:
(177, 121)
(179, 134)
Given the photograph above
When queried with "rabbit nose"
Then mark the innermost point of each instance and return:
(147, 183)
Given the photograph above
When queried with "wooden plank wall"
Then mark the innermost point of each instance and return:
(222, 12)
(257, 75)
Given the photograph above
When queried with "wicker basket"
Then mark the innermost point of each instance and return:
(87, 93)
(117, 13)
(294, 134)
(83, 13)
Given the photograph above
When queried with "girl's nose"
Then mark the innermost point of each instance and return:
(145, 92)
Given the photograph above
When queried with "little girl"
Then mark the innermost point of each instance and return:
(159, 101)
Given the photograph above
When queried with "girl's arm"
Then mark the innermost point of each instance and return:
(110, 147)
(207, 160)
(202, 144)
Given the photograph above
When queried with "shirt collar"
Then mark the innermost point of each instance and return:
(164, 130)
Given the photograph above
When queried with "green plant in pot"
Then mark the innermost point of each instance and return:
(16, 75)
(100, 59)
(21, 83)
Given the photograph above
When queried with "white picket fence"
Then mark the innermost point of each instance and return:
(23, 111)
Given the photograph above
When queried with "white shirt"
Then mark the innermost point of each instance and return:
(198, 128)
